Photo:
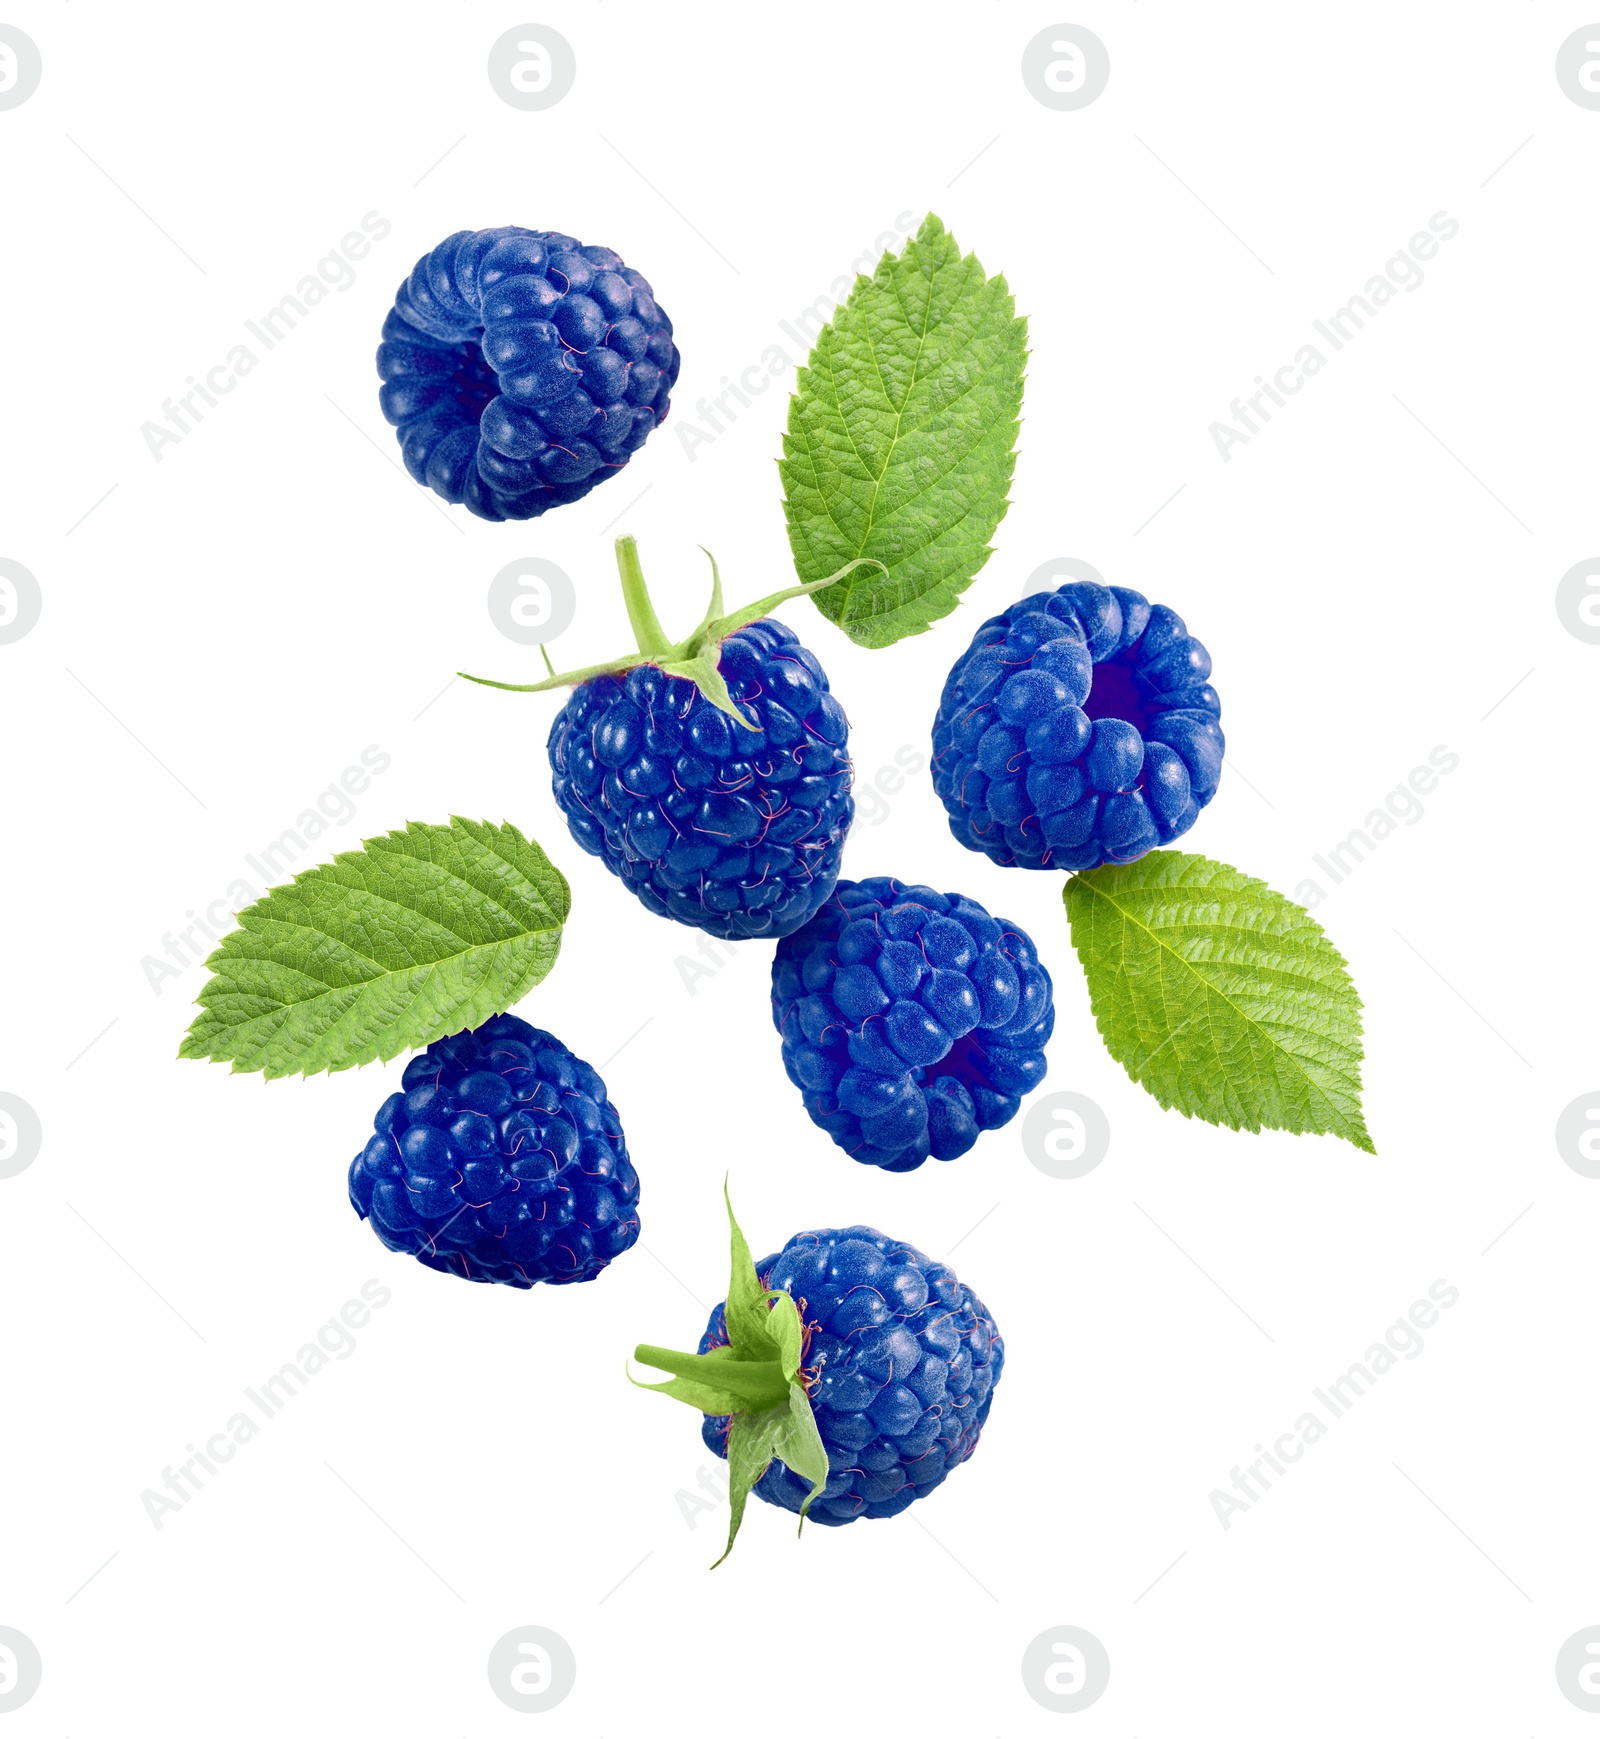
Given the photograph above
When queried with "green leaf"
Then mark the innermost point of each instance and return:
(756, 1379)
(901, 438)
(419, 934)
(1222, 999)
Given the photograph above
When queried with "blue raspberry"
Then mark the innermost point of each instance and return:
(1078, 728)
(737, 831)
(900, 1360)
(911, 1020)
(502, 1160)
(711, 775)
(521, 368)
(843, 1377)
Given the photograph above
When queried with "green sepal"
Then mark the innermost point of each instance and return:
(756, 1378)
(694, 658)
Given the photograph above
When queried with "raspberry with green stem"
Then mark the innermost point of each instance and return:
(710, 774)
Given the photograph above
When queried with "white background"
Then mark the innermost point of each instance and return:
(274, 595)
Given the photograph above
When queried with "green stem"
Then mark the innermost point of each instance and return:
(754, 1384)
(723, 626)
(694, 659)
(647, 629)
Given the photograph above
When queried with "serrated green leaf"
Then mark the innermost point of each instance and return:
(419, 934)
(901, 438)
(1221, 998)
